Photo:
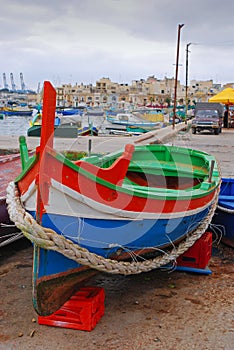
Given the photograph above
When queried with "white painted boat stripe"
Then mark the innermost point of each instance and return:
(95, 210)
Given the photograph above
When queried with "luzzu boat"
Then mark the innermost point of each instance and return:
(224, 215)
(120, 213)
(18, 111)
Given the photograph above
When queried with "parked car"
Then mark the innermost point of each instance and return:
(208, 116)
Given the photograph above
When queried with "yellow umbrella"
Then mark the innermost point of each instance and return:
(225, 97)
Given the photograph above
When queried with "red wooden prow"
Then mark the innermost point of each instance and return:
(47, 140)
(48, 116)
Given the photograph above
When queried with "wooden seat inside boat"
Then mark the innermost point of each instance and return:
(161, 181)
(168, 168)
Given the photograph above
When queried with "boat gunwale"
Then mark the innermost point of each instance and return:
(133, 190)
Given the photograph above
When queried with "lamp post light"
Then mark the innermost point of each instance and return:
(176, 74)
(186, 82)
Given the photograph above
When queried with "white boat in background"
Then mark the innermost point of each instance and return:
(128, 119)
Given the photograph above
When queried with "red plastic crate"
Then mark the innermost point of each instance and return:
(82, 311)
(197, 256)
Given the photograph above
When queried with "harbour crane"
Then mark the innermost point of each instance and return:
(12, 82)
(22, 82)
(38, 88)
(5, 81)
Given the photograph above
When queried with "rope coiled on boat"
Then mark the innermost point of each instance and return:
(48, 239)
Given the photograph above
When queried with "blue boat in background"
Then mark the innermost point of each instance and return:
(24, 111)
(72, 111)
(224, 215)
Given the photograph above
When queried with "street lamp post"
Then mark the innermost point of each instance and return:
(176, 74)
(186, 82)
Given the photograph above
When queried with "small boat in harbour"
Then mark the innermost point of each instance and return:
(127, 119)
(72, 111)
(87, 131)
(224, 214)
(24, 111)
(64, 126)
(124, 213)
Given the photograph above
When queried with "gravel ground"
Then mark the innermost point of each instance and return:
(155, 310)
(168, 310)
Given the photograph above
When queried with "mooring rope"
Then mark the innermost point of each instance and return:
(48, 239)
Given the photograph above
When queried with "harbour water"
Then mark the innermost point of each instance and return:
(18, 125)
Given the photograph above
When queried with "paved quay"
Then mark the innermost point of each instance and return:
(220, 146)
(99, 144)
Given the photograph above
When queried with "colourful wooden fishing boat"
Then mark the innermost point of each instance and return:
(100, 213)
(126, 119)
(72, 111)
(223, 218)
(87, 131)
(62, 129)
(18, 111)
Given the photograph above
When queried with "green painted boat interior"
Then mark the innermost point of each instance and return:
(153, 170)
(163, 166)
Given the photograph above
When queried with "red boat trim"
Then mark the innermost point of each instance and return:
(99, 210)
(101, 195)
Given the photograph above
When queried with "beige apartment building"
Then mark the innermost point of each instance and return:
(151, 91)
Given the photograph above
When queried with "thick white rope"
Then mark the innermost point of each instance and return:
(49, 239)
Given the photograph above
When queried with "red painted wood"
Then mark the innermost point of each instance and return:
(115, 174)
(10, 167)
(107, 195)
(28, 178)
(48, 116)
(116, 199)
(47, 136)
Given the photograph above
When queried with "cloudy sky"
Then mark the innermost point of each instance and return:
(69, 41)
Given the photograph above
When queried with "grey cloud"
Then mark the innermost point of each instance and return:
(80, 38)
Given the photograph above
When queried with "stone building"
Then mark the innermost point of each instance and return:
(151, 91)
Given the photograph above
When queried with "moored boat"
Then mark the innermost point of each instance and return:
(224, 214)
(64, 127)
(127, 119)
(17, 111)
(72, 111)
(123, 212)
(87, 131)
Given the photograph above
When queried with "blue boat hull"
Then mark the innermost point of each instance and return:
(113, 238)
(18, 113)
(56, 277)
(223, 217)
